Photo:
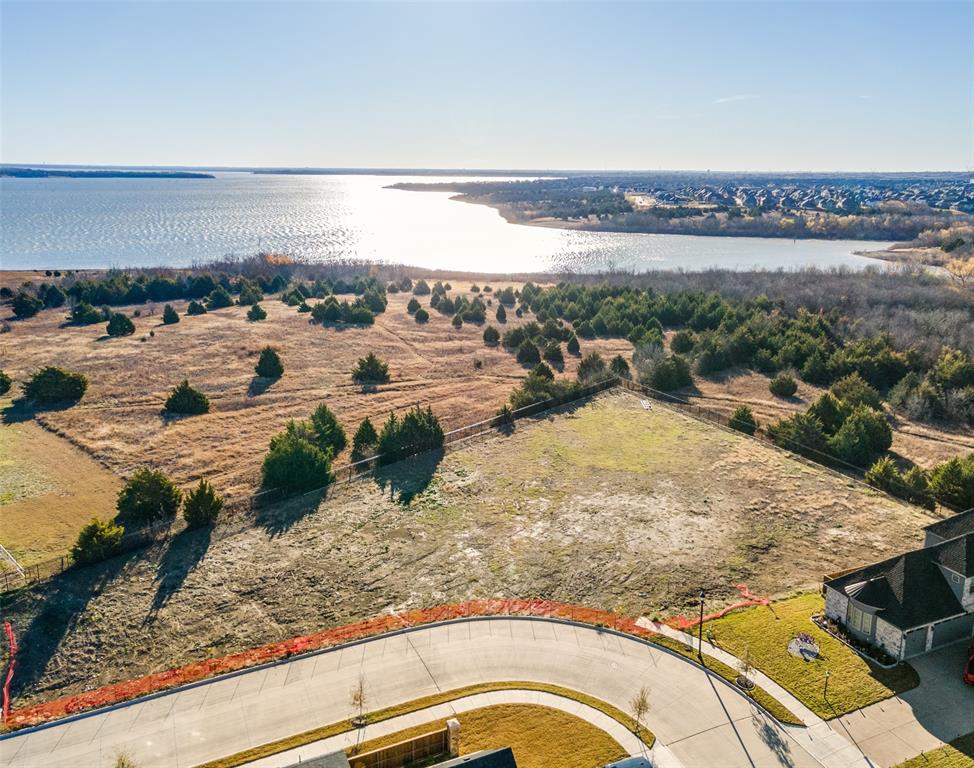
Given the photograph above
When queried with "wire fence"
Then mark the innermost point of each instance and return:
(238, 514)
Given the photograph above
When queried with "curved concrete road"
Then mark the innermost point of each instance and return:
(701, 720)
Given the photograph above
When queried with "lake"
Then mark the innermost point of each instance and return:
(94, 223)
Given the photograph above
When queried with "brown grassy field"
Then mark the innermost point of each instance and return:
(606, 504)
(120, 420)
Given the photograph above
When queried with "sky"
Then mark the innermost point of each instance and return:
(811, 86)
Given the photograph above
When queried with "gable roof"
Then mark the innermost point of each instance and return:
(956, 525)
(487, 758)
(910, 590)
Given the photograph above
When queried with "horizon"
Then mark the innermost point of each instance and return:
(771, 88)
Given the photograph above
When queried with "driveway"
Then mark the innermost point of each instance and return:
(702, 721)
(938, 710)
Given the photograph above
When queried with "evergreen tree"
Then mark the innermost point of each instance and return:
(169, 315)
(269, 364)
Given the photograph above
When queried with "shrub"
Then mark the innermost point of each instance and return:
(85, 314)
(295, 465)
(742, 419)
(492, 336)
(328, 433)
(249, 294)
(195, 308)
(269, 364)
(802, 434)
(552, 353)
(169, 315)
(202, 505)
(25, 305)
(918, 490)
(370, 370)
(474, 288)
(413, 306)
(543, 371)
(501, 314)
(457, 321)
(416, 432)
(572, 345)
(55, 385)
(54, 297)
(148, 496)
(97, 541)
(863, 435)
(952, 483)
(421, 288)
(853, 390)
(670, 373)
(183, 399)
(219, 298)
(830, 412)
(506, 296)
(885, 475)
(256, 312)
(592, 368)
(422, 315)
(120, 325)
(528, 354)
(620, 367)
(5, 383)
(392, 288)
(365, 441)
(783, 385)
(682, 342)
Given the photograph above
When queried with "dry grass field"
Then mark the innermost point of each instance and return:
(120, 420)
(606, 504)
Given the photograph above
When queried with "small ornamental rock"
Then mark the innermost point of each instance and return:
(804, 647)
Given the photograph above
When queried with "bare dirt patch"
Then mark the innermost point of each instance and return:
(607, 504)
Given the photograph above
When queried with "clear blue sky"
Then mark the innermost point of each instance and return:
(731, 86)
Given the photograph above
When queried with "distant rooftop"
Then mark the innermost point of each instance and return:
(487, 758)
(956, 525)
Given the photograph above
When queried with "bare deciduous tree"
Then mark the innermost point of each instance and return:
(639, 706)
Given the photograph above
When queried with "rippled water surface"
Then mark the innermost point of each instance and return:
(61, 222)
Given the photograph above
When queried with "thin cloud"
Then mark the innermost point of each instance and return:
(738, 97)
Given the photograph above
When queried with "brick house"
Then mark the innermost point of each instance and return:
(915, 602)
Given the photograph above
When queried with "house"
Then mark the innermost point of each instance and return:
(915, 602)
(487, 758)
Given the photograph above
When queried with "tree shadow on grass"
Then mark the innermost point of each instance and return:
(185, 551)
(259, 385)
(407, 478)
(62, 602)
(21, 410)
(278, 517)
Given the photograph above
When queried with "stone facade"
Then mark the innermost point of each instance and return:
(836, 605)
(889, 638)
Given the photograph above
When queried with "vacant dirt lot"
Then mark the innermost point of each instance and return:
(609, 504)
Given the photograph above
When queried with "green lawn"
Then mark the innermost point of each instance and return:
(766, 632)
(958, 754)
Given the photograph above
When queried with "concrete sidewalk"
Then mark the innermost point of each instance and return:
(826, 745)
(634, 746)
(702, 721)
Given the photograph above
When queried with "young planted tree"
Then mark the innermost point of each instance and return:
(26, 305)
(219, 298)
(492, 336)
(639, 706)
(195, 308)
(413, 306)
(169, 315)
(552, 353)
(416, 432)
(185, 400)
(421, 288)
(422, 316)
(202, 505)
(592, 368)
(528, 354)
(269, 364)
(256, 312)
(149, 495)
(572, 345)
(370, 370)
(97, 541)
(5, 383)
(501, 314)
(83, 313)
(120, 325)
